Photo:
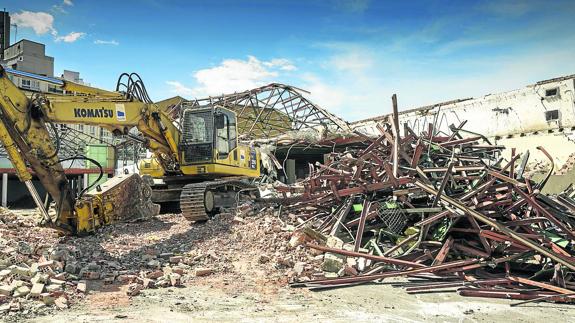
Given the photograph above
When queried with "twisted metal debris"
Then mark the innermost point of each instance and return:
(442, 209)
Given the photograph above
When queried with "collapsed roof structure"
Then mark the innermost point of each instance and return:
(271, 110)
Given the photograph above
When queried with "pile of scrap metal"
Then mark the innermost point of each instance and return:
(442, 209)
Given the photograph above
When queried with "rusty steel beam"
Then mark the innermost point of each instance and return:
(455, 169)
(470, 251)
(432, 219)
(530, 282)
(361, 227)
(546, 298)
(368, 278)
(459, 141)
(483, 282)
(392, 261)
(533, 202)
(505, 178)
(395, 129)
(442, 254)
(401, 244)
(443, 184)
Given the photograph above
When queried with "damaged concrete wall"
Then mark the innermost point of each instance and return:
(542, 114)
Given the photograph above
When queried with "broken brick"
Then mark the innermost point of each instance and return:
(203, 272)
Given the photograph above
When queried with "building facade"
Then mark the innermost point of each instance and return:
(29, 56)
(73, 77)
(34, 82)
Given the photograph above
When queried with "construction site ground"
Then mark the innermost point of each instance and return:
(208, 301)
(250, 282)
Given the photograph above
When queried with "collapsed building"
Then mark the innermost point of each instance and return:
(290, 130)
(540, 114)
(280, 119)
(447, 194)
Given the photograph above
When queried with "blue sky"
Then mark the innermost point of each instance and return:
(352, 55)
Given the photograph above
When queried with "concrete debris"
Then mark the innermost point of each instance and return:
(61, 302)
(134, 289)
(21, 291)
(6, 290)
(81, 287)
(332, 263)
(36, 290)
(164, 252)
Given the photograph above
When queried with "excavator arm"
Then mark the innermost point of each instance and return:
(24, 133)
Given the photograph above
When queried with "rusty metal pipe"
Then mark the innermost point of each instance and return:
(367, 256)
(367, 278)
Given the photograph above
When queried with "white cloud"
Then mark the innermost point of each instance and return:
(354, 61)
(234, 75)
(41, 22)
(281, 63)
(71, 37)
(106, 42)
(68, 2)
(180, 89)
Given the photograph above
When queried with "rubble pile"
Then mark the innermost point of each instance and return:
(170, 252)
(30, 277)
(263, 240)
(443, 209)
(41, 271)
(156, 253)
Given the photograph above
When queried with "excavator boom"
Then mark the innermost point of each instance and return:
(201, 163)
(24, 133)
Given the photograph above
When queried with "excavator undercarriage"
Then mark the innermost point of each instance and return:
(199, 201)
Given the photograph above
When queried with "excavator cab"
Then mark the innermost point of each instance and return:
(207, 135)
(209, 145)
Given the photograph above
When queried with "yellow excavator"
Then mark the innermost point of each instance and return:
(198, 156)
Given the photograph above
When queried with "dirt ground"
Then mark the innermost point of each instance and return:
(367, 303)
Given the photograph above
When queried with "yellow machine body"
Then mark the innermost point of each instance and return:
(207, 148)
(152, 167)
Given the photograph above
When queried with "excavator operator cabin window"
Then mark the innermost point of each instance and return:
(222, 135)
(232, 132)
(197, 127)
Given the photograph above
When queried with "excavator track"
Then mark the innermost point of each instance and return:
(198, 201)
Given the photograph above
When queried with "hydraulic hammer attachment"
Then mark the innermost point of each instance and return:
(120, 199)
